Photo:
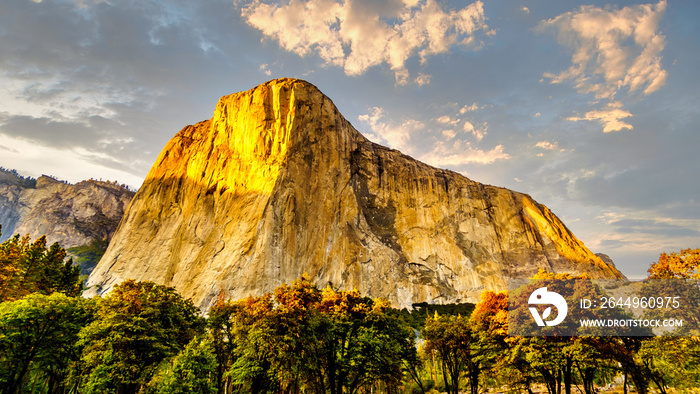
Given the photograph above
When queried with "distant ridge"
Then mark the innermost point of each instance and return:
(72, 215)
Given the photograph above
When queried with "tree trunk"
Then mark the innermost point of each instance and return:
(567, 375)
(550, 380)
(640, 380)
(445, 377)
(559, 380)
(474, 371)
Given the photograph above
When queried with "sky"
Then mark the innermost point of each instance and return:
(592, 108)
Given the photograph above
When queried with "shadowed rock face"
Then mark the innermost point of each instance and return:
(277, 184)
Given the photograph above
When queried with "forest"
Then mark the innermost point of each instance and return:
(145, 338)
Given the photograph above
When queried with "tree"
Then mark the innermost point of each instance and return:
(88, 255)
(558, 356)
(454, 342)
(299, 338)
(193, 370)
(675, 360)
(675, 276)
(30, 267)
(139, 325)
(362, 344)
(38, 336)
(222, 320)
(489, 324)
(683, 265)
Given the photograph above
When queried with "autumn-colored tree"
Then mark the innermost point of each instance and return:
(491, 314)
(139, 325)
(675, 276)
(30, 267)
(489, 323)
(675, 360)
(301, 338)
(683, 265)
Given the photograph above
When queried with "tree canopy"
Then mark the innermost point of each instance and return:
(321, 341)
(139, 325)
(143, 337)
(30, 267)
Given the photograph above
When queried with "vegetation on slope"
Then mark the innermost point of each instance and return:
(87, 256)
(13, 177)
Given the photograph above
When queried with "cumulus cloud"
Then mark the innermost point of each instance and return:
(615, 52)
(394, 136)
(357, 35)
(612, 49)
(478, 130)
(610, 117)
(408, 137)
(462, 152)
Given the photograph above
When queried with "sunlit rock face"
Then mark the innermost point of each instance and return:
(278, 184)
(70, 214)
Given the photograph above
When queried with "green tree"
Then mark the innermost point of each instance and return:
(87, 256)
(193, 370)
(222, 320)
(30, 267)
(38, 336)
(252, 331)
(454, 342)
(673, 360)
(139, 325)
(300, 338)
(363, 344)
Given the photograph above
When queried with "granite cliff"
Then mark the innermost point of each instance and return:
(73, 215)
(278, 183)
